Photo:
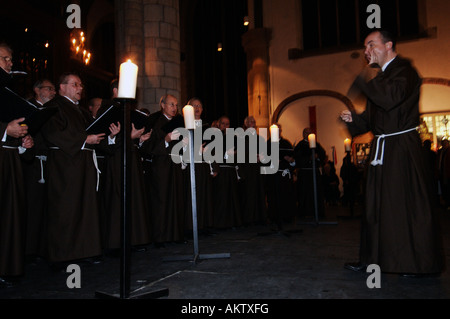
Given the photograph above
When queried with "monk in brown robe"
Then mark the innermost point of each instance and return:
(73, 216)
(400, 230)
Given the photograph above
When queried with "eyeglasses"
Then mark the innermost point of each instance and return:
(76, 85)
(6, 58)
(50, 88)
(171, 104)
(197, 105)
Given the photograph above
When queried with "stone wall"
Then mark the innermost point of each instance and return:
(149, 35)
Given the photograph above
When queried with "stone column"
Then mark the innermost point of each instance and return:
(256, 46)
(129, 38)
(162, 51)
(150, 31)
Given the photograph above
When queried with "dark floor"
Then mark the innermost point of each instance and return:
(243, 264)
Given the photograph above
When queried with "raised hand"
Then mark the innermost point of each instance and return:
(114, 129)
(95, 139)
(135, 133)
(346, 116)
(15, 129)
(145, 137)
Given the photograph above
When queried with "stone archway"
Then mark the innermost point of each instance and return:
(436, 81)
(284, 105)
(344, 99)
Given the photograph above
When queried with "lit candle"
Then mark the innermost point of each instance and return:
(127, 80)
(274, 134)
(312, 140)
(189, 117)
(348, 145)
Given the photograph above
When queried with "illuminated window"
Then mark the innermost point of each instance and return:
(435, 127)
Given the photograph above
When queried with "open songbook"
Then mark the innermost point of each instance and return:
(113, 114)
(13, 107)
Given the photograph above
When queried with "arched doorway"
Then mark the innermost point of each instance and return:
(435, 110)
(347, 102)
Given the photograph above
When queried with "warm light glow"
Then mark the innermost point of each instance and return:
(274, 133)
(246, 21)
(312, 141)
(26, 29)
(127, 80)
(79, 49)
(47, 45)
(219, 47)
(348, 145)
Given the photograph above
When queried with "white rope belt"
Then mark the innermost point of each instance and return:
(379, 161)
(211, 170)
(183, 164)
(42, 158)
(236, 168)
(285, 173)
(10, 147)
(94, 158)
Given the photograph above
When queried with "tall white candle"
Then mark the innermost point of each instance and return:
(127, 80)
(348, 145)
(189, 117)
(312, 140)
(274, 134)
